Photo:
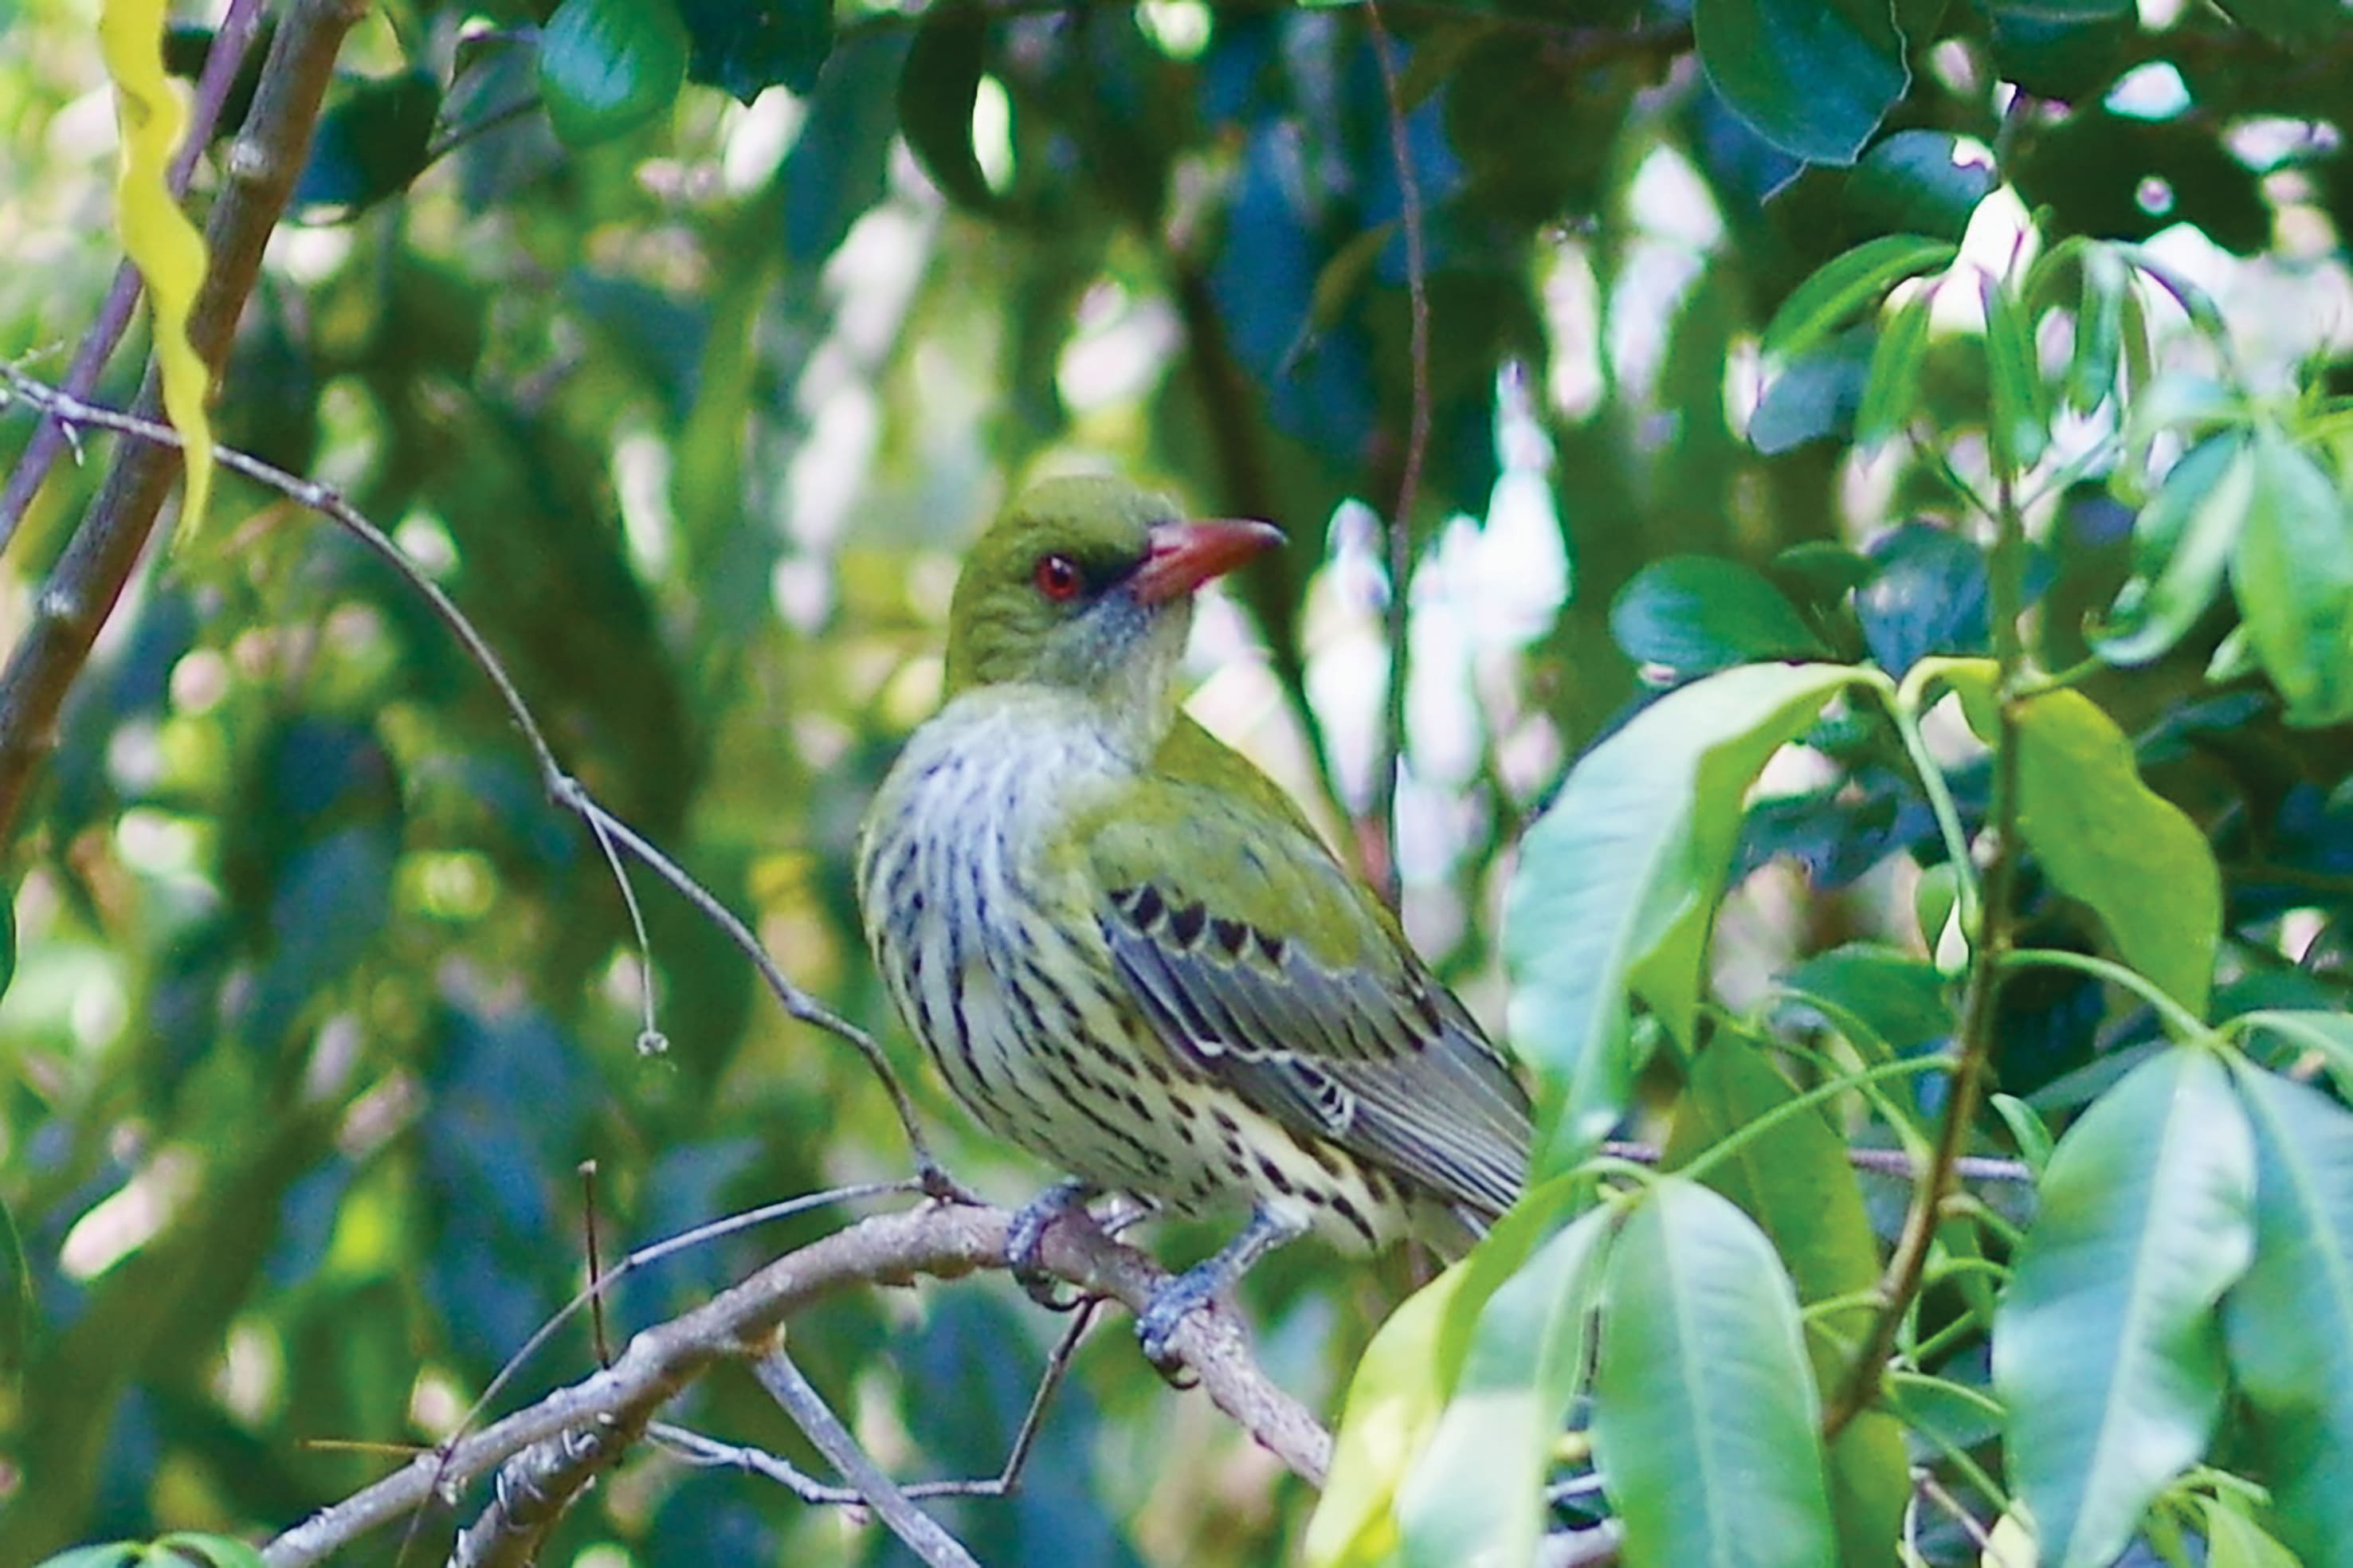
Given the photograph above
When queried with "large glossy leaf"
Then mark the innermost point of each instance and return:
(1693, 614)
(2293, 573)
(2108, 1347)
(606, 66)
(747, 49)
(1705, 1412)
(1478, 1489)
(1795, 1181)
(1844, 286)
(1618, 883)
(2290, 1320)
(1812, 76)
(2105, 837)
(1399, 1394)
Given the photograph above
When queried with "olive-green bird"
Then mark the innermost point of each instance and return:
(1125, 947)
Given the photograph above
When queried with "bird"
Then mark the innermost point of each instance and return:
(1126, 949)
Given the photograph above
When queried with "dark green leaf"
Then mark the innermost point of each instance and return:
(834, 174)
(1811, 77)
(370, 145)
(2295, 23)
(1902, 1000)
(15, 1301)
(1909, 183)
(2019, 419)
(1693, 614)
(936, 90)
(2290, 1320)
(1816, 396)
(2293, 575)
(205, 1551)
(1847, 285)
(2107, 1347)
(744, 49)
(2182, 543)
(1704, 1414)
(1618, 882)
(606, 66)
(1929, 595)
(1891, 392)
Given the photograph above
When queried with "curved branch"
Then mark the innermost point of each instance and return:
(614, 1406)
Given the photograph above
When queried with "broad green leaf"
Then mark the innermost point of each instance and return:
(1844, 286)
(1909, 183)
(2182, 543)
(2019, 417)
(1478, 1489)
(1811, 77)
(2293, 575)
(1795, 1181)
(113, 1554)
(1704, 1414)
(2104, 839)
(2234, 1541)
(157, 235)
(1894, 385)
(1693, 614)
(1399, 1394)
(1618, 882)
(2107, 1347)
(937, 87)
(1816, 395)
(747, 49)
(606, 66)
(2290, 1320)
(369, 146)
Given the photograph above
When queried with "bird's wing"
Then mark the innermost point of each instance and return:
(1263, 964)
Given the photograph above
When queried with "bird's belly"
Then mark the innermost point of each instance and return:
(1019, 1005)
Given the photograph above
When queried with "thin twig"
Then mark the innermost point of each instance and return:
(1877, 1162)
(923, 1535)
(562, 788)
(1398, 623)
(943, 1241)
(52, 436)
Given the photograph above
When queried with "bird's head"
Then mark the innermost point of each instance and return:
(1086, 584)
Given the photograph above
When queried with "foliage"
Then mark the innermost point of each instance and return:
(1899, 450)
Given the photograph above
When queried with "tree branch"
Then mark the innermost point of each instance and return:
(88, 580)
(614, 1406)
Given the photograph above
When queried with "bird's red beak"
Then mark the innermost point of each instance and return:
(1184, 555)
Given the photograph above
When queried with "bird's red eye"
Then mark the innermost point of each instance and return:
(1057, 578)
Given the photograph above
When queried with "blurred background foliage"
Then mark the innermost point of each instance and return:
(685, 343)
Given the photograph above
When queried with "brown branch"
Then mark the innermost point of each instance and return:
(1398, 537)
(566, 791)
(74, 603)
(49, 438)
(615, 1407)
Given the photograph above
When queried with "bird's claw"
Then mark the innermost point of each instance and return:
(1194, 1291)
(1025, 1241)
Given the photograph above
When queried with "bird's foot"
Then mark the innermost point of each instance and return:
(1025, 1238)
(1194, 1291)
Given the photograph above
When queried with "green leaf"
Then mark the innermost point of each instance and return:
(2293, 575)
(2290, 1320)
(1892, 388)
(1618, 882)
(2099, 328)
(2182, 543)
(2294, 23)
(1698, 612)
(1704, 1416)
(370, 145)
(1795, 1181)
(1816, 396)
(2019, 419)
(606, 66)
(936, 90)
(743, 49)
(2327, 1036)
(1843, 286)
(2026, 1129)
(2104, 839)
(1811, 77)
(1478, 1489)
(207, 1550)
(2107, 1347)
(1909, 183)
(15, 1301)
(1399, 1394)
(113, 1554)
(2234, 1541)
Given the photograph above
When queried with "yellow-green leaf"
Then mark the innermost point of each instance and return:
(158, 236)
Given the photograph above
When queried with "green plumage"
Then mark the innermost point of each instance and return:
(1126, 948)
